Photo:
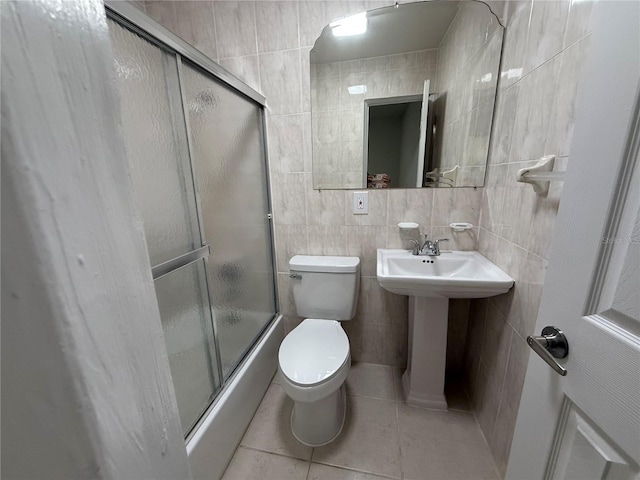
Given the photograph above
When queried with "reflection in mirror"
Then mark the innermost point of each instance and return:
(403, 97)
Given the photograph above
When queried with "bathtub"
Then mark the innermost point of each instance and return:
(213, 441)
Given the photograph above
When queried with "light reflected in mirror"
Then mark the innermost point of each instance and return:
(403, 97)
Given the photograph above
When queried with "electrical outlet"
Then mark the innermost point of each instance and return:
(360, 203)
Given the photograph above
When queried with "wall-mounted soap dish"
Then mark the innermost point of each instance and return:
(408, 225)
(460, 226)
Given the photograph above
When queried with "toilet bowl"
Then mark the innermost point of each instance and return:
(314, 358)
(314, 362)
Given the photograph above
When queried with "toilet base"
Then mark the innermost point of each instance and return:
(319, 423)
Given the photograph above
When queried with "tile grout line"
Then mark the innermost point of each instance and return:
(397, 405)
(271, 453)
(215, 32)
(399, 441)
(352, 469)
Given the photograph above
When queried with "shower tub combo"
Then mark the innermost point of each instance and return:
(195, 140)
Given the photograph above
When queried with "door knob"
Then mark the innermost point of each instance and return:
(551, 345)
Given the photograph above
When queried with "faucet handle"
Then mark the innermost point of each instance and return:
(416, 246)
(436, 245)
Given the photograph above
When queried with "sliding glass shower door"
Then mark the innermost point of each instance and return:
(226, 138)
(197, 162)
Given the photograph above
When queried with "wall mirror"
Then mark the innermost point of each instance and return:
(403, 96)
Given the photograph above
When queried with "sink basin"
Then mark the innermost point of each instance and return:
(453, 274)
(430, 282)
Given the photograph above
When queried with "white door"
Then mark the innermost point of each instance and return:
(424, 117)
(587, 424)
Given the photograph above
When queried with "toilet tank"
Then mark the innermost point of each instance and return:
(324, 286)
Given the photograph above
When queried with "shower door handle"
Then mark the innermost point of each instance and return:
(182, 261)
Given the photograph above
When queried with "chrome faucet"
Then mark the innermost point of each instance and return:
(416, 246)
(429, 248)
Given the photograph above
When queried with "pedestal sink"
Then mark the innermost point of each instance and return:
(430, 282)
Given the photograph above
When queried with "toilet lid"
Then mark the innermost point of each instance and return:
(313, 351)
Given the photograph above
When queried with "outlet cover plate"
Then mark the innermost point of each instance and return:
(360, 203)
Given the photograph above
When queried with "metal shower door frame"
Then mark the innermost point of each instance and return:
(141, 24)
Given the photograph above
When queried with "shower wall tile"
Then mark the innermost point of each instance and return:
(193, 23)
(325, 207)
(456, 205)
(506, 105)
(327, 239)
(280, 81)
(502, 436)
(515, 41)
(512, 7)
(563, 115)
(546, 209)
(410, 205)
(290, 240)
(305, 81)
(518, 208)
(364, 242)
(396, 343)
(315, 15)
(286, 143)
(535, 104)
(288, 198)
(235, 29)
(285, 295)
(546, 32)
(578, 23)
(376, 305)
(516, 370)
(493, 196)
(486, 399)
(245, 68)
(277, 26)
(139, 4)
(366, 340)
(398, 239)
(163, 12)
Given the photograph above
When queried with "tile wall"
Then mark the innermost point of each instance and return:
(467, 74)
(338, 116)
(267, 45)
(544, 48)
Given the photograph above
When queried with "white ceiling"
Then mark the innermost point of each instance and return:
(405, 28)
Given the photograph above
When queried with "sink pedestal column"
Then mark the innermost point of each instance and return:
(423, 386)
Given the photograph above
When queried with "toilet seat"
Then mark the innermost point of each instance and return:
(314, 352)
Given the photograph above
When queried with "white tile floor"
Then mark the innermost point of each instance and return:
(382, 438)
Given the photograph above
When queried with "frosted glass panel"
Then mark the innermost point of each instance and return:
(228, 158)
(156, 143)
(188, 334)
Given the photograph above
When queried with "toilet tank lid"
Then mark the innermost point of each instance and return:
(324, 263)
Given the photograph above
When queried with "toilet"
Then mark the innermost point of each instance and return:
(314, 358)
